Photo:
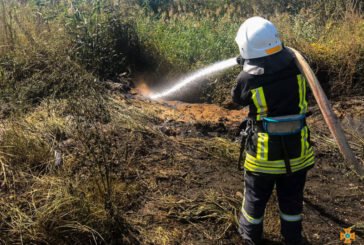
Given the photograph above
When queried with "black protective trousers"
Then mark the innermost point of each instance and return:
(258, 188)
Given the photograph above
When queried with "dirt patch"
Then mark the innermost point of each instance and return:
(204, 113)
(333, 200)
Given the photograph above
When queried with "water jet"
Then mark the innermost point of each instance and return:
(197, 76)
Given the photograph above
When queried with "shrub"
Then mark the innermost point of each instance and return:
(103, 38)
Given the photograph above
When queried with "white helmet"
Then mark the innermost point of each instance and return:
(258, 37)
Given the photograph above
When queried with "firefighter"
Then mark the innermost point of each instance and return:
(278, 148)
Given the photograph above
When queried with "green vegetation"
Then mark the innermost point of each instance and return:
(57, 59)
(190, 36)
(170, 38)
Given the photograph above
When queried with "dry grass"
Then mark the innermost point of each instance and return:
(49, 103)
(212, 215)
(216, 147)
(213, 207)
(46, 209)
(351, 122)
(79, 200)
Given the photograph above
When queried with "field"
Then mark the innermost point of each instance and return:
(87, 158)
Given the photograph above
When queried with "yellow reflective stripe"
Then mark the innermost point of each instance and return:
(302, 93)
(303, 141)
(250, 219)
(307, 144)
(299, 81)
(262, 146)
(259, 102)
(257, 168)
(278, 167)
(263, 102)
(307, 163)
(305, 104)
(269, 167)
(278, 163)
(256, 103)
(290, 218)
(253, 168)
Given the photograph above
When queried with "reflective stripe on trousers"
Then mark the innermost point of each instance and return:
(248, 217)
(290, 218)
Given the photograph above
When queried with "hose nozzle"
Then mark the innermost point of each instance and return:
(240, 60)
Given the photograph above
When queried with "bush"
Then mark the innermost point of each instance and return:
(335, 50)
(103, 38)
(29, 79)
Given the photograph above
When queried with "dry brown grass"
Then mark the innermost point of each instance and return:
(107, 141)
(79, 200)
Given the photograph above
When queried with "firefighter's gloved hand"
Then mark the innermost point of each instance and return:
(240, 60)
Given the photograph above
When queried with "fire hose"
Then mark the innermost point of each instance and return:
(328, 114)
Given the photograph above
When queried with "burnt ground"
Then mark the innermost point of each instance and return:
(193, 191)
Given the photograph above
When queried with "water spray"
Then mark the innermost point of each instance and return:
(197, 76)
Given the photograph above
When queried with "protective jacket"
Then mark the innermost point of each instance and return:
(273, 86)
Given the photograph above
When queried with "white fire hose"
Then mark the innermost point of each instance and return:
(326, 110)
